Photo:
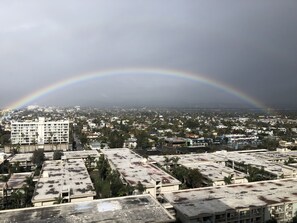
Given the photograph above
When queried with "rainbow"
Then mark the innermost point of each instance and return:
(30, 98)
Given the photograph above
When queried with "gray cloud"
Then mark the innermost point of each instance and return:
(249, 45)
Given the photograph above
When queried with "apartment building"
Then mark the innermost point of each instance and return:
(41, 134)
(134, 168)
(67, 179)
(211, 167)
(250, 202)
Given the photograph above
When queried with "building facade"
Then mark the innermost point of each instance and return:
(40, 133)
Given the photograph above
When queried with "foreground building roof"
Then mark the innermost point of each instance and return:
(132, 209)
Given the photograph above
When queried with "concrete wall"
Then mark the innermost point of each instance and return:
(151, 191)
(31, 148)
(45, 203)
(169, 188)
(218, 183)
(76, 200)
(240, 180)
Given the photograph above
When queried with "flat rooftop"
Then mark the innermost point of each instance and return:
(135, 168)
(276, 156)
(81, 154)
(189, 158)
(58, 175)
(132, 209)
(214, 171)
(21, 157)
(208, 165)
(210, 200)
(255, 160)
(17, 180)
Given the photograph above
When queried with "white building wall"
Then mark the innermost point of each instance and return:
(169, 188)
(151, 191)
(41, 132)
(81, 199)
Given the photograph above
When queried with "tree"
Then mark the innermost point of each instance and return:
(294, 219)
(83, 139)
(256, 174)
(15, 149)
(174, 161)
(57, 154)
(142, 139)
(103, 167)
(140, 187)
(17, 199)
(166, 162)
(194, 178)
(58, 200)
(51, 140)
(105, 189)
(29, 191)
(181, 172)
(116, 139)
(4, 168)
(289, 161)
(89, 161)
(272, 220)
(5, 179)
(38, 158)
(229, 179)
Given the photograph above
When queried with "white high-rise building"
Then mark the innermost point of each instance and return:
(40, 132)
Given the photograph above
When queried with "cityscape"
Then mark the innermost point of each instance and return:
(169, 164)
(148, 111)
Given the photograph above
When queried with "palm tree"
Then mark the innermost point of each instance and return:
(51, 140)
(36, 140)
(29, 181)
(140, 187)
(229, 179)
(5, 179)
(58, 200)
(89, 161)
(166, 162)
(16, 167)
(17, 198)
(28, 188)
(175, 160)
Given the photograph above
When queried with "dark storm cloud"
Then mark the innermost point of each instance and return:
(248, 44)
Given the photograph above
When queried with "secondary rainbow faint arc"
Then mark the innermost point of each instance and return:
(163, 72)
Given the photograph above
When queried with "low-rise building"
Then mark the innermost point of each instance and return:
(66, 179)
(81, 154)
(15, 183)
(175, 142)
(23, 160)
(271, 170)
(217, 175)
(133, 169)
(251, 202)
(211, 167)
(130, 143)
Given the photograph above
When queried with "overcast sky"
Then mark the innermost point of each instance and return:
(251, 45)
